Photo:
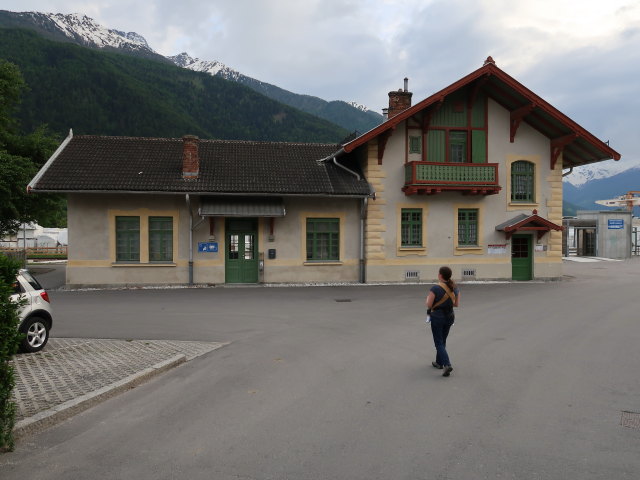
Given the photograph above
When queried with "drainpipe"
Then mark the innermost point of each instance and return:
(190, 239)
(335, 161)
(363, 215)
(363, 211)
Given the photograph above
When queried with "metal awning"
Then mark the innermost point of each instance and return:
(241, 207)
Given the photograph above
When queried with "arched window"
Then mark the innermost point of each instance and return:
(522, 181)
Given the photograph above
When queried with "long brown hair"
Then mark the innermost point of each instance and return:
(446, 276)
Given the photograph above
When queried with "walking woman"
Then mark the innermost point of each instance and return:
(440, 302)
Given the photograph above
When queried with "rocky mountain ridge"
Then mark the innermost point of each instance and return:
(85, 31)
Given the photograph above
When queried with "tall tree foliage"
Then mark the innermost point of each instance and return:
(20, 158)
(9, 339)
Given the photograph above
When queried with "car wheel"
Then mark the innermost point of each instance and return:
(36, 332)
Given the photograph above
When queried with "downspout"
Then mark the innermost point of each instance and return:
(335, 161)
(188, 200)
(363, 216)
(363, 212)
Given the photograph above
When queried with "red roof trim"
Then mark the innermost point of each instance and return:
(537, 219)
(488, 69)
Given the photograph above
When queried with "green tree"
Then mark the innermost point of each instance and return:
(9, 341)
(11, 86)
(20, 158)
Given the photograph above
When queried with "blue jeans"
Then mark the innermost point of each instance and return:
(440, 326)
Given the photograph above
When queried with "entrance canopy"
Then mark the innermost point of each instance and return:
(241, 207)
(524, 223)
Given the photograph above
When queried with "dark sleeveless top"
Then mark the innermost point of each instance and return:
(445, 308)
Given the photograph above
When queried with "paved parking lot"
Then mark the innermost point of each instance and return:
(73, 374)
(336, 382)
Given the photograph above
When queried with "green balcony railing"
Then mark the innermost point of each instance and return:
(430, 173)
(451, 176)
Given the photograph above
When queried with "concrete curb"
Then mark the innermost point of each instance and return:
(57, 414)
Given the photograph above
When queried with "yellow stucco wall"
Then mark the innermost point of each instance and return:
(387, 261)
(92, 259)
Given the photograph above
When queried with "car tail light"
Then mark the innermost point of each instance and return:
(45, 297)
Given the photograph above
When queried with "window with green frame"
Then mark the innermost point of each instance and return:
(458, 146)
(160, 239)
(323, 239)
(522, 181)
(415, 144)
(468, 227)
(127, 239)
(411, 227)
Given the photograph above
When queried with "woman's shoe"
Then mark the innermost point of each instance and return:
(436, 365)
(447, 371)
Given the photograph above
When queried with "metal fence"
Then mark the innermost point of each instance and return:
(59, 252)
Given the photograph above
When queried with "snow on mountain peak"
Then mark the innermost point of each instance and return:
(182, 59)
(359, 106)
(87, 31)
(212, 67)
(581, 175)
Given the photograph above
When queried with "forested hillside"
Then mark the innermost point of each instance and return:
(112, 94)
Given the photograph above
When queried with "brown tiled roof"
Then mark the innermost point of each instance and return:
(579, 147)
(128, 164)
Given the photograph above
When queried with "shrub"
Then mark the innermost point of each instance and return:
(9, 340)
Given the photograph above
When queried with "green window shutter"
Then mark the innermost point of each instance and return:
(411, 227)
(479, 146)
(160, 239)
(127, 239)
(436, 146)
(323, 239)
(415, 144)
(522, 181)
(468, 227)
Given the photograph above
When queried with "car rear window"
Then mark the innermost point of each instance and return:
(32, 281)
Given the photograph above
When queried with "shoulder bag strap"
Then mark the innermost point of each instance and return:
(448, 294)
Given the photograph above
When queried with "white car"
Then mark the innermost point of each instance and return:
(36, 318)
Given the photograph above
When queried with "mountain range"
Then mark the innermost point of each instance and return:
(584, 195)
(83, 30)
(135, 81)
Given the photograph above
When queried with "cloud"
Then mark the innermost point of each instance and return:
(582, 57)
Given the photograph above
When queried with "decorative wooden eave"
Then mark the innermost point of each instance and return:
(490, 74)
(516, 119)
(528, 223)
(557, 146)
(428, 115)
(382, 144)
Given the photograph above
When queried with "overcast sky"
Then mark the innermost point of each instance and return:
(582, 56)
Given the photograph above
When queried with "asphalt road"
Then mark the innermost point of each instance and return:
(336, 383)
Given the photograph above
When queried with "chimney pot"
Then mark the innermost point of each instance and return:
(190, 157)
(400, 100)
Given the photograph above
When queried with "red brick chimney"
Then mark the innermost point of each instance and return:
(190, 158)
(399, 101)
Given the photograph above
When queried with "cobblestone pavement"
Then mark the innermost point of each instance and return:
(71, 374)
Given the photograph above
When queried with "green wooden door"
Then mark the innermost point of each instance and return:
(521, 257)
(241, 250)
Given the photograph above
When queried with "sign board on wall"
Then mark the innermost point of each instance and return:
(497, 249)
(615, 224)
(208, 247)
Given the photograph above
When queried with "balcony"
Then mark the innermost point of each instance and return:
(429, 178)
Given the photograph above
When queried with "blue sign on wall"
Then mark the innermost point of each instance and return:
(208, 247)
(615, 224)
